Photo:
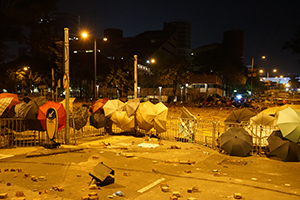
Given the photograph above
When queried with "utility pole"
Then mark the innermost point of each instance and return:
(135, 77)
(67, 90)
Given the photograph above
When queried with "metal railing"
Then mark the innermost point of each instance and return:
(14, 132)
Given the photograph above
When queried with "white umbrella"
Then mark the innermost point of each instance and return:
(112, 106)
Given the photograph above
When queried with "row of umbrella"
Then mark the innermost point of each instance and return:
(126, 115)
(284, 143)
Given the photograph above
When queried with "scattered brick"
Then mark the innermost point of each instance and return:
(85, 198)
(173, 198)
(187, 171)
(3, 195)
(155, 170)
(15, 175)
(163, 184)
(217, 174)
(13, 170)
(190, 190)
(237, 195)
(6, 170)
(126, 174)
(192, 198)
(195, 189)
(43, 192)
(129, 155)
(21, 198)
(93, 187)
(42, 178)
(8, 184)
(20, 194)
(165, 189)
(34, 178)
(176, 194)
(91, 194)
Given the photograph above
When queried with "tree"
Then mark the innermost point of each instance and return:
(293, 44)
(120, 76)
(174, 71)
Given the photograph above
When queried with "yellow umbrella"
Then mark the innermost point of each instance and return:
(121, 119)
(131, 106)
(112, 106)
(145, 115)
(160, 120)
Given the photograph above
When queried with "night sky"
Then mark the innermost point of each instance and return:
(268, 24)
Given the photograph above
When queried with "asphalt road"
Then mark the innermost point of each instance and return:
(139, 172)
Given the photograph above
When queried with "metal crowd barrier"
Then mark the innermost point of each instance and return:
(14, 133)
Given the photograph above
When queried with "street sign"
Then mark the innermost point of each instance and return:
(65, 81)
(51, 122)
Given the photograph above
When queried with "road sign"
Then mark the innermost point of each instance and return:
(51, 122)
(65, 81)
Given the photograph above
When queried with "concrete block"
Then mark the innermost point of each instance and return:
(129, 155)
(94, 198)
(34, 178)
(173, 198)
(85, 198)
(93, 187)
(42, 178)
(192, 198)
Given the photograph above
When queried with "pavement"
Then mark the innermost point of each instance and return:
(141, 168)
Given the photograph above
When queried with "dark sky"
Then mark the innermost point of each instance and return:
(267, 23)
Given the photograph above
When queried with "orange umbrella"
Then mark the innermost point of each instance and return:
(14, 101)
(61, 114)
(98, 105)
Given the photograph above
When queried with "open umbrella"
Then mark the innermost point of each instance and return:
(289, 124)
(80, 116)
(145, 115)
(98, 120)
(262, 119)
(4, 104)
(111, 106)
(61, 114)
(236, 142)
(271, 110)
(30, 112)
(238, 116)
(283, 148)
(98, 105)
(121, 119)
(14, 101)
(131, 106)
(160, 120)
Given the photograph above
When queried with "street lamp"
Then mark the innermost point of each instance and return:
(252, 65)
(268, 73)
(26, 68)
(95, 64)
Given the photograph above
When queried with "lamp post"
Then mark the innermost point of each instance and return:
(29, 77)
(252, 66)
(95, 64)
(268, 74)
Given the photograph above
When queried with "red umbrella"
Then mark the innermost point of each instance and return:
(98, 105)
(61, 114)
(14, 101)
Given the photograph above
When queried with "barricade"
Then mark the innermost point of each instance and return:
(14, 133)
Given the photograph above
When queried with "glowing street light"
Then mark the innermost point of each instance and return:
(85, 35)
